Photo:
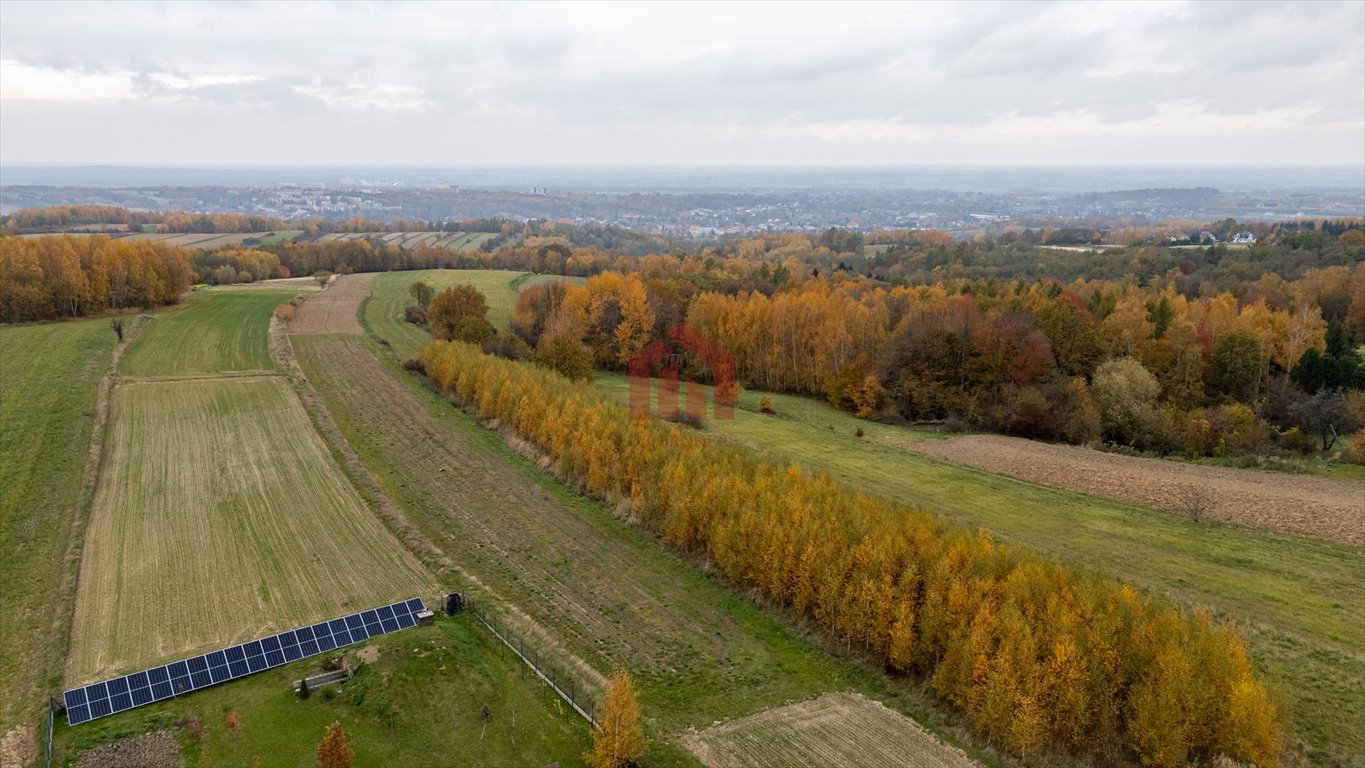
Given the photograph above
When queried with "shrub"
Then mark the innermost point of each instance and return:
(303, 689)
(416, 315)
(859, 432)
(415, 366)
(285, 312)
(765, 405)
(1355, 448)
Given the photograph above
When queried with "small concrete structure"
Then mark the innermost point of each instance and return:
(426, 618)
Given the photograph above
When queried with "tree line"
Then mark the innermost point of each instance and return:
(1094, 360)
(44, 278)
(1039, 656)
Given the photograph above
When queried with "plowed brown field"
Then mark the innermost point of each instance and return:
(1317, 507)
(837, 730)
(334, 310)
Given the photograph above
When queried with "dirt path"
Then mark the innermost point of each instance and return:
(1299, 505)
(334, 310)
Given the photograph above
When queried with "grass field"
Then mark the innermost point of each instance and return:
(220, 517)
(837, 730)
(49, 374)
(417, 704)
(1298, 600)
(216, 331)
(389, 296)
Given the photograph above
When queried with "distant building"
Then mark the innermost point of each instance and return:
(1244, 237)
(1207, 237)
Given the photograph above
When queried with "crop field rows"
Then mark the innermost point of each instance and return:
(201, 241)
(460, 242)
(220, 517)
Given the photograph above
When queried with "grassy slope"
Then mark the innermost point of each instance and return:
(48, 377)
(216, 331)
(389, 296)
(417, 705)
(240, 521)
(1298, 600)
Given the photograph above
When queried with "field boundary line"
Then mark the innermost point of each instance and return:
(60, 630)
(126, 379)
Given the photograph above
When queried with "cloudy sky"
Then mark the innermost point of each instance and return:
(682, 84)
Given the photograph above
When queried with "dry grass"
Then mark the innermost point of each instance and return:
(220, 517)
(1299, 505)
(837, 730)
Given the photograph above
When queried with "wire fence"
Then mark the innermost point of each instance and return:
(562, 683)
(47, 750)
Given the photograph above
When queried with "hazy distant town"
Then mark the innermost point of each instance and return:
(699, 207)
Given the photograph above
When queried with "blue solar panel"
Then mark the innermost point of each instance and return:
(111, 696)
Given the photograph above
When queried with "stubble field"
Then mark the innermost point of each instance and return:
(220, 517)
(837, 730)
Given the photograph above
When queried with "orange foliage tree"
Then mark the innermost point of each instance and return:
(1035, 653)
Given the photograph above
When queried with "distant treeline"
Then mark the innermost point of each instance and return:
(43, 278)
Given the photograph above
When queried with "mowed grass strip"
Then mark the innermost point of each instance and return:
(389, 297)
(221, 517)
(215, 331)
(417, 704)
(49, 375)
(1298, 600)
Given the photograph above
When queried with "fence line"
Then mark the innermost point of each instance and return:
(562, 684)
(47, 750)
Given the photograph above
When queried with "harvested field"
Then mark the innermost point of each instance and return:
(334, 310)
(216, 331)
(837, 730)
(220, 517)
(1299, 505)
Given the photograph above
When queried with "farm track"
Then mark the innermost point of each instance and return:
(1297, 505)
(334, 310)
(837, 730)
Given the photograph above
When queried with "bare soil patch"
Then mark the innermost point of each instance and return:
(836, 730)
(158, 749)
(1316, 507)
(334, 310)
(19, 747)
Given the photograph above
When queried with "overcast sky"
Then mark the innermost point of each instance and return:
(682, 84)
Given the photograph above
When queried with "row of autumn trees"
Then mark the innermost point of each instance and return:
(1146, 367)
(1037, 655)
(44, 278)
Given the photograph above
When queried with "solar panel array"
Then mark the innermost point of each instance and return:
(108, 697)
